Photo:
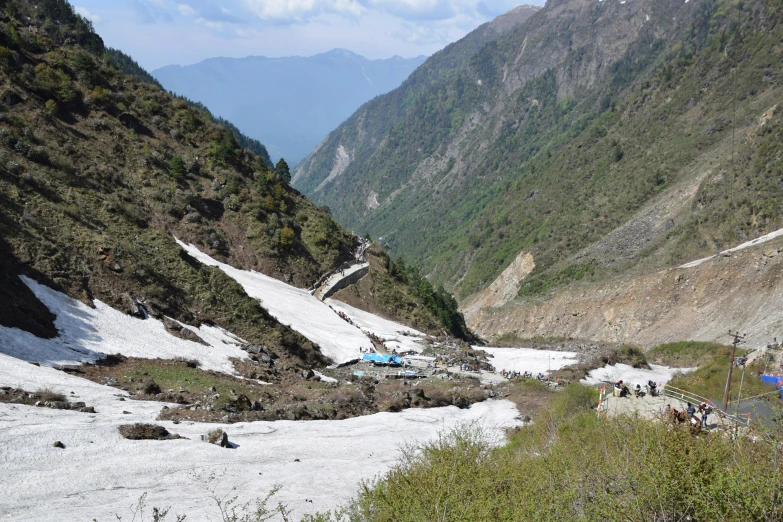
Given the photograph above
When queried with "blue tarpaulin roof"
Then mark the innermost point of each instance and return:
(774, 379)
(383, 359)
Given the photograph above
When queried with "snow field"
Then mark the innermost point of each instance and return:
(383, 328)
(295, 307)
(100, 474)
(527, 359)
(633, 376)
(86, 334)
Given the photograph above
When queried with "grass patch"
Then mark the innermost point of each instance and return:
(684, 354)
(710, 379)
(570, 465)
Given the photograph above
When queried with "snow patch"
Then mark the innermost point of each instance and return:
(99, 473)
(297, 308)
(633, 376)
(743, 246)
(87, 334)
(528, 359)
(390, 331)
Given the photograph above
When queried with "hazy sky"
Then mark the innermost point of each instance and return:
(163, 32)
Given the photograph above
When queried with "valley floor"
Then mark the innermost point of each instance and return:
(318, 464)
(98, 474)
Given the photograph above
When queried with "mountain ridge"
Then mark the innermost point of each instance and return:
(523, 126)
(286, 114)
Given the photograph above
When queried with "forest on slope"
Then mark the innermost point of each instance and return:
(554, 135)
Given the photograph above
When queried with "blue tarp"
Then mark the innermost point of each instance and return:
(774, 379)
(382, 359)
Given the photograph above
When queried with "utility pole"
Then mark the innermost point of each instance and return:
(737, 340)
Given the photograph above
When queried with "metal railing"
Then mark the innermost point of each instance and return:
(686, 396)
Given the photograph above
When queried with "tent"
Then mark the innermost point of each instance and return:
(378, 358)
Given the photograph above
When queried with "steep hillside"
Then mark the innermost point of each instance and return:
(362, 133)
(289, 103)
(100, 172)
(560, 132)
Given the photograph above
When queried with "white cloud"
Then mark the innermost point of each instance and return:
(302, 10)
(215, 26)
(186, 10)
(87, 14)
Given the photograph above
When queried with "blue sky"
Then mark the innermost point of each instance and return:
(163, 32)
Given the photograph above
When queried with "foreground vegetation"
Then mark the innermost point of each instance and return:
(685, 354)
(569, 465)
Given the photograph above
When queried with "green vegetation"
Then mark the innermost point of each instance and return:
(570, 465)
(283, 172)
(709, 380)
(439, 302)
(555, 162)
(177, 168)
(685, 354)
(94, 216)
(540, 282)
(128, 66)
(630, 355)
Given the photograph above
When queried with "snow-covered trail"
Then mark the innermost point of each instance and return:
(295, 307)
(633, 376)
(99, 473)
(385, 329)
(85, 334)
(335, 279)
(527, 359)
(743, 246)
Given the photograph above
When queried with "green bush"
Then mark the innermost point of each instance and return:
(177, 168)
(50, 107)
(578, 467)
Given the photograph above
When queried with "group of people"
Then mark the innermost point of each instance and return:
(465, 367)
(704, 410)
(622, 390)
(513, 374)
(345, 318)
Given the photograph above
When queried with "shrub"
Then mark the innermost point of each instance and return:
(578, 467)
(177, 168)
(50, 107)
(287, 236)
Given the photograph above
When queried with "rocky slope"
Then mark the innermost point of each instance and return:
(738, 291)
(562, 131)
(101, 171)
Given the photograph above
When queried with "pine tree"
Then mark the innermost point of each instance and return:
(177, 168)
(283, 172)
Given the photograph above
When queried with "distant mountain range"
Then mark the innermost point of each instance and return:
(290, 104)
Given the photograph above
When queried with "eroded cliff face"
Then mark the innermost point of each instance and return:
(504, 288)
(740, 291)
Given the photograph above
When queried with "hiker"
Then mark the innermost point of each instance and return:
(691, 410)
(704, 410)
(639, 393)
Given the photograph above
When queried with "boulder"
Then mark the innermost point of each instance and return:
(58, 444)
(177, 330)
(10, 98)
(218, 437)
(133, 306)
(144, 432)
(129, 121)
(150, 387)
